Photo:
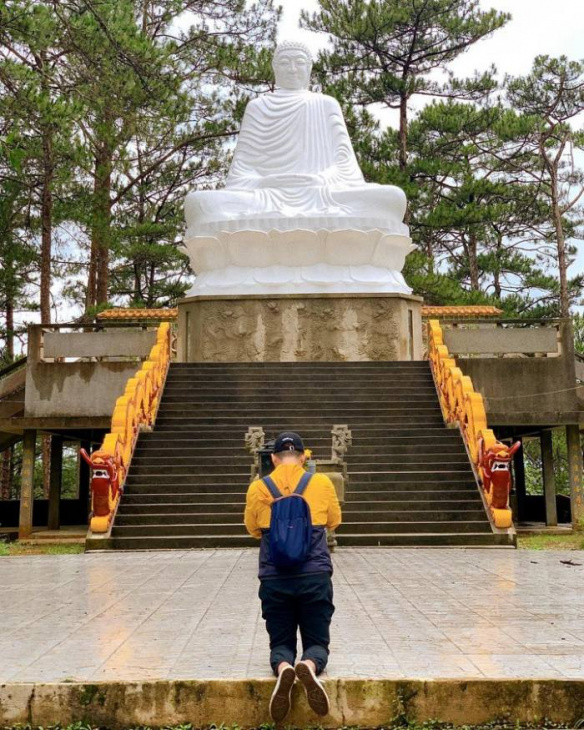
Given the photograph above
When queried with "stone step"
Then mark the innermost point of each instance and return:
(364, 528)
(298, 422)
(128, 508)
(357, 411)
(227, 481)
(174, 390)
(208, 436)
(183, 543)
(285, 372)
(144, 497)
(280, 372)
(372, 540)
(167, 451)
(418, 504)
(266, 384)
(189, 517)
(300, 401)
(356, 461)
(365, 491)
(361, 460)
(235, 516)
(423, 500)
(211, 484)
(441, 473)
(435, 439)
(236, 468)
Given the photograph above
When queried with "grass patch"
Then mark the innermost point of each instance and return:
(574, 541)
(17, 548)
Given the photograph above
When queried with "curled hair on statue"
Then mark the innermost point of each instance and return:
(292, 46)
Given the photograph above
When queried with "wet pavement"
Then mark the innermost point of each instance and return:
(420, 614)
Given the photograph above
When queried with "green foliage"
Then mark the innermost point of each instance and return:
(109, 113)
(70, 479)
(533, 464)
(384, 50)
(578, 325)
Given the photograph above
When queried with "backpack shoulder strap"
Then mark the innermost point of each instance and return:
(270, 484)
(303, 483)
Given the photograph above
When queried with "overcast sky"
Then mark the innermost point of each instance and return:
(536, 27)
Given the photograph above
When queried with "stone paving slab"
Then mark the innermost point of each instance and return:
(401, 614)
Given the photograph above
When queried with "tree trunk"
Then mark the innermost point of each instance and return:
(10, 326)
(497, 271)
(403, 132)
(97, 289)
(561, 245)
(104, 180)
(46, 246)
(91, 277)
(98, 275)
(46, 226)
(6, 474)
(473, 266)
(46, 456)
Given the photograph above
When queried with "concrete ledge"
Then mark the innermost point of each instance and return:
(368, 703)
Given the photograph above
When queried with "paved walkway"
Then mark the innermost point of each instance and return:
(195, 614)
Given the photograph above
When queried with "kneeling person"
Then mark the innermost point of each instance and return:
(299, 597)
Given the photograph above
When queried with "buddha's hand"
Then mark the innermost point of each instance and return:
(290, 180)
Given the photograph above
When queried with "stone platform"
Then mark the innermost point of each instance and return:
(468, 632)
(300, 328)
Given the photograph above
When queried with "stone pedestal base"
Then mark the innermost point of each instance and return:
(300, 328)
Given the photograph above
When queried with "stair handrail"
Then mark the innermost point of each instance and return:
(136, 409)
(462, 405)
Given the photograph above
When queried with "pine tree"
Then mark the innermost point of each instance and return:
(388, 51)
(154, 95)
(551, 96)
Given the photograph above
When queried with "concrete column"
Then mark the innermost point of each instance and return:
(519, 472)
(575, 471)
(55, 483)
(549, 479)
(27, 485)
(84, 483)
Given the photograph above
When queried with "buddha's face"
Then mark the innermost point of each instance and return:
(292, 70)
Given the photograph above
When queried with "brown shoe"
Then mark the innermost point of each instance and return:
(314, 688)
(281, 699)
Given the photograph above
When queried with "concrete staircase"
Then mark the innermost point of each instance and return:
(410, 479)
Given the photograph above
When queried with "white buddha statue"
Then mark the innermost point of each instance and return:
(296, 215)
(294, 166)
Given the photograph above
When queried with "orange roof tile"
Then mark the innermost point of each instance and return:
(138, 314)
(427, 312)
(470, 311)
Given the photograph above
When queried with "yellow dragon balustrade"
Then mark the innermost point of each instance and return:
(462, 405)
(137, 407)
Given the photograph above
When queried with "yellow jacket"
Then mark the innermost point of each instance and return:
(320, 495)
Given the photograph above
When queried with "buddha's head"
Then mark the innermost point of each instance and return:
(292, 64)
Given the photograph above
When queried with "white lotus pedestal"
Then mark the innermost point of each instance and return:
(299, 296)
(300, 261)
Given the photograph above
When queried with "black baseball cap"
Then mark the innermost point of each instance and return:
(288, 441)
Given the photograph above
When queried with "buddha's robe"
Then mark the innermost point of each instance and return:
(294, 160)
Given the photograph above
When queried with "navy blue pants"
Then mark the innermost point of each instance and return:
(302, 602)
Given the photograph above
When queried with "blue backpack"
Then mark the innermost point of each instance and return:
(290, 533)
